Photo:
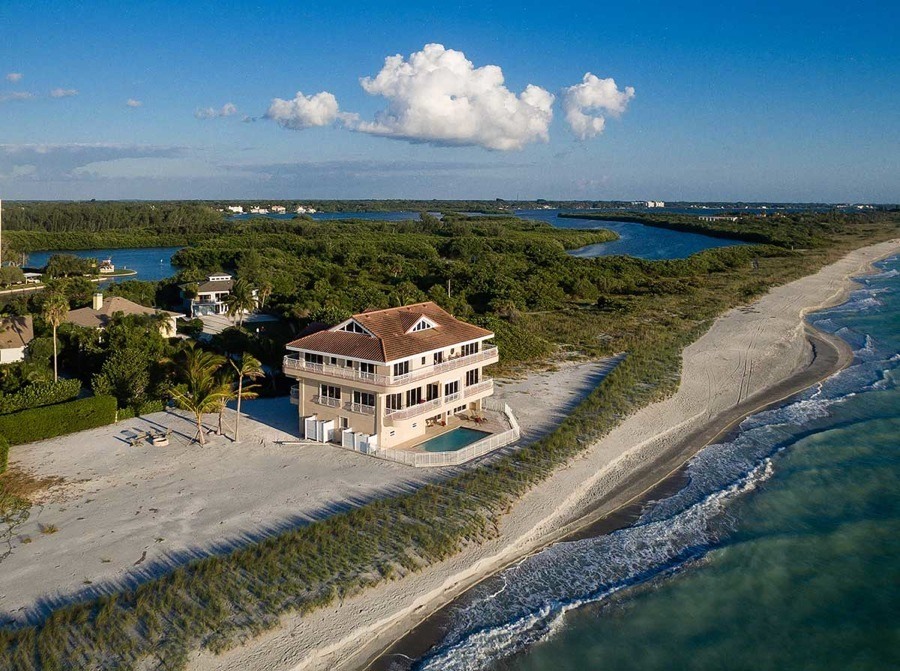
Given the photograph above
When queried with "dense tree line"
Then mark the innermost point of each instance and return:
(92, 217)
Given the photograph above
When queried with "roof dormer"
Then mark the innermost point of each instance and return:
(422, 324)
(353, 326)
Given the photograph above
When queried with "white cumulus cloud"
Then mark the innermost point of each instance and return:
(131, 102)
(228, 109)
(438, 96)
(14, 77)
(320, 109)
(584, 104)
(63, 93)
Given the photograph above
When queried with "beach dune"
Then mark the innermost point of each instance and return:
(751, 356)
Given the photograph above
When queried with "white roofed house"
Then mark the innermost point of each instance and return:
(404, 383)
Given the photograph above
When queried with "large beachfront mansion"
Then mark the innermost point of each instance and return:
(381, 378)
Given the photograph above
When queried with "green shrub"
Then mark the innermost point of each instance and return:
(150, 406)
(124, 413)
(50, 421)
(4, 453)
(40, 394)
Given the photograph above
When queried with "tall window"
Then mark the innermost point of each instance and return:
(472, 377)
(451, 388)
(395, 401)
(328, 391)
(413, 396)
(363, 398)
(432, 391)
(401, 368)
(367, 368)
(438, 357)
(471, 348)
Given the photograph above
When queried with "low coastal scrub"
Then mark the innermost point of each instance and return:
(39, 394)
(28, 426)
(651, 310)
(4, 454)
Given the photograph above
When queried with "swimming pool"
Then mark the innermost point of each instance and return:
(453, 440)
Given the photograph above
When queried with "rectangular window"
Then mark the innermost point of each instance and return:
(401, 368)
(348, 363)
(413, 396)
(423, 360)
(451, 388)
(432, 391)
(345, 423)
(472, 377)
(438, 357)
(471, 348)
(363, 398)
(367, 370)
(313, 358)
(334, 361)
(329, 391)
(395, 401)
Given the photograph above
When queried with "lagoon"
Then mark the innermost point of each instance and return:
(151, 263)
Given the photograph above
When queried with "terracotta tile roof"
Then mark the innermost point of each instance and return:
(390, 340)
(92, 318)
(16, 332)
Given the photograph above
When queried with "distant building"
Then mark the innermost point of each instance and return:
(278, 209)
(649, 203)
(101, 311)
(305, 210)
(236, 209)
(211, 296)
(719, 217)
(15, 334)
(258, 210)
(106, 267)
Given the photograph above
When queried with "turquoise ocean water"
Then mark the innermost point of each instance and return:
(782, 550)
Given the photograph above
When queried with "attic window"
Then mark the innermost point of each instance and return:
(422, 325)
(353, 327)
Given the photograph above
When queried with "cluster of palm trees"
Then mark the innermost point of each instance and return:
(210, 382)
(241, 300)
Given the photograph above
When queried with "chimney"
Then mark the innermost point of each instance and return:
(98, 301)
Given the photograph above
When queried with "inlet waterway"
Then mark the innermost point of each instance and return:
(780, 550)
(150, 263)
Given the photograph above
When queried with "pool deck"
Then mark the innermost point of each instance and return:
(494, 422)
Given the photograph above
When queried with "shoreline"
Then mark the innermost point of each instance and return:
(596, 520)
(647, 449)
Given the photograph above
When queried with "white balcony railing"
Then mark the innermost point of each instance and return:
(327, 400)
(479, 387)
(361, 408)
(488, 354)
(421, 408)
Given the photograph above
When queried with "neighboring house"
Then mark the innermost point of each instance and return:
(106, 267)
(101, 311)
(210, 297)
(380, 378)
(278, 209)
(15, 334)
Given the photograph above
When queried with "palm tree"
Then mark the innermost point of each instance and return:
(54, 311)
(203, 390)
(265, 290)
(252, 368)
(240, 301)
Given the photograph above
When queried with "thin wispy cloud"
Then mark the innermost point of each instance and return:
(14, 77)
(228, 109)
(584, 104)
(63, 93)
(16, 95)
(131, 102)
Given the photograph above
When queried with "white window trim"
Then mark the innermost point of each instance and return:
(429, 324)
(340, 327)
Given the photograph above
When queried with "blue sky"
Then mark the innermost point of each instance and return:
(755, 101)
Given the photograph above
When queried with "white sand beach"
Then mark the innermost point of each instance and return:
(747, 358)
(124, 513)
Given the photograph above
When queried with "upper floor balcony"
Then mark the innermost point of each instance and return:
(487, 355)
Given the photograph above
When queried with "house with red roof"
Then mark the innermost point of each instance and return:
(390, 378)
